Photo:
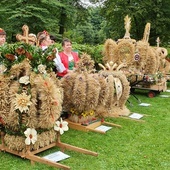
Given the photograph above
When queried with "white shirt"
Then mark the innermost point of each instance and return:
(57, 61)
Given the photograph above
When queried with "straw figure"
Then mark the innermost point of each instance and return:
(88, 95)
(140, 58)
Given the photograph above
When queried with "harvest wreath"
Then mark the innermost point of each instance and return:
(30, 94)
(31, 103)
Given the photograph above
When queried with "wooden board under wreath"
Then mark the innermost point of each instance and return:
(91, 126)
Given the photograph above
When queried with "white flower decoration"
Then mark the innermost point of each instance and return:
(31, 136)
(22, 101)
(61, 126)
(2, 68)
(24, 80)
(41, 68)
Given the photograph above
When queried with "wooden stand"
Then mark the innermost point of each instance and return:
(90, 127)
(33, 158)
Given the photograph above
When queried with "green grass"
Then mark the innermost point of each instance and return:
(135, 146)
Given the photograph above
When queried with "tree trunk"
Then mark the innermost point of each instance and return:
(62, 21)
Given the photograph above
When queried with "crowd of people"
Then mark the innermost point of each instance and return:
(64, 61)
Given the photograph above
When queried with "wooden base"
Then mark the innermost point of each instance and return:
(34, 158)
(90, 127)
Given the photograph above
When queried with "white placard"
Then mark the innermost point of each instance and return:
(164, 96)
(168, 90)
(103, 128)
(144, 104)
(56, 156)
(136, 116)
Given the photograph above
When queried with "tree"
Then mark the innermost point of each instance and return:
(156, 12)
(36, 14)
(90, 30)
(54, 16)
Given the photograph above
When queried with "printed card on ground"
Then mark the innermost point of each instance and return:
(136, 116)
(56, 156)
(144, 104)
(103, 128)
(168, 90)
(164, 96)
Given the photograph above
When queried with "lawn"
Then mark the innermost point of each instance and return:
(135, 146)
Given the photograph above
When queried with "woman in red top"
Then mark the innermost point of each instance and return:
(68, 57)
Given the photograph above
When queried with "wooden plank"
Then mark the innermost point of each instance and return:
(111, 124)
(91, 127)
(44, 148)
(76, 126)
(35, 158)
(74, 148)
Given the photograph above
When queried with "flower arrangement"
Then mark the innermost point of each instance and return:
(153, 78)
(84, 113)
(11, 54)
(89, 95)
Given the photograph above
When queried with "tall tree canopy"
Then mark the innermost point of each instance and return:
(85, 24)
(52, 15)
(156, 12)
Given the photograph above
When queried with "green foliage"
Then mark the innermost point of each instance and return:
(15, 53)
(90, 30)
(156, 12)
(94, 51)
(90, 25)
(168, 52)
(39, 15)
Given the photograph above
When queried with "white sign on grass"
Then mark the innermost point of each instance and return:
(136, 116)
(144, 104)
(103, 128)
(164, 96)
(56, 156)
(168, 90)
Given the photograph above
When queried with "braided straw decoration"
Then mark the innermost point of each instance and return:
(18, 143)
(67, 83)
(113, 104)
(142, 48)
(150, 67)
(93, 90)
(125, 52)
(4, 93)
(109, 51)
(79, 93)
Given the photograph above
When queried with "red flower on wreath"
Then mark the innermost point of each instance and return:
(10, 57)
(50, 57)
(20, 51)
(2, 121)
(28, 55)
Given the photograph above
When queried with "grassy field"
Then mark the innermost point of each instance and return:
(135, 146)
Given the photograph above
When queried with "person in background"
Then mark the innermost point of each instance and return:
(68, 57)
(53, 39)
(2, 36)
(32, 42)
(44, 41)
